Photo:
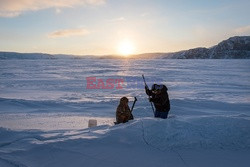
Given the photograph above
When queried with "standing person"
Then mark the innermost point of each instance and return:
(159, 96)
(123, 112)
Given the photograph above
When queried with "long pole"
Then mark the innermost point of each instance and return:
(148, 95)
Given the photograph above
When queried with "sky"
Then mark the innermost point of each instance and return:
(102, 27)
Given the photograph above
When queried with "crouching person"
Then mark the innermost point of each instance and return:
(123, 112)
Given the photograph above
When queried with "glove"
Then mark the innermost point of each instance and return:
(146, 90)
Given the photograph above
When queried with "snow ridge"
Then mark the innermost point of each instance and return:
(237, 47)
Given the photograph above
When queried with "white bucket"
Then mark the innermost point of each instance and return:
(92, 123)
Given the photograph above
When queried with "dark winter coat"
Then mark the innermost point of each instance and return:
(123, 113)
(161, 101)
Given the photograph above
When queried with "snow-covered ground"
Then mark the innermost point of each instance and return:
(45, 107)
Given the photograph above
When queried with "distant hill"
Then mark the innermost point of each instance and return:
(15, 55)
(232, 48)
(237, 47)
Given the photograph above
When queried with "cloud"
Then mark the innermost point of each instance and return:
(68, 33)
(117, 19)
(12, 8)
(144, 14)
(58, 11)
(243, 30)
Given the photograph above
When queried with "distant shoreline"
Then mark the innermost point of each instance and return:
(237, 47)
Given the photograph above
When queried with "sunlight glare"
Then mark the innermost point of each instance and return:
(126, 48)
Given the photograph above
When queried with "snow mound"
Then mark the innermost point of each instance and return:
(149, 142)
(208, 132)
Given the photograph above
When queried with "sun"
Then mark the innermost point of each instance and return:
(126, 48)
